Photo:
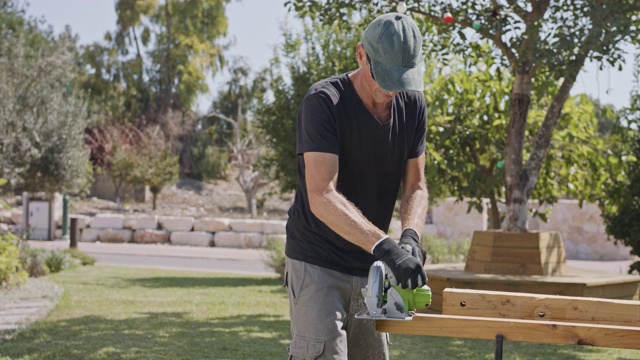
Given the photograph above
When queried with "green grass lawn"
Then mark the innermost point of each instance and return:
(130, 313)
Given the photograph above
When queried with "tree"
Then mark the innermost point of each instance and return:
(621, 207)
(121, 162)
(232, 117)
(155, 165)
(208, 159)
(536, 40)
(317, 52)
(42, 117)
(157, 59)
(468, 115)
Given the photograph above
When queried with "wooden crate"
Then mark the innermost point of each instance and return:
(532, 253)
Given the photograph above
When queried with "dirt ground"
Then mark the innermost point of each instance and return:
(189, 197)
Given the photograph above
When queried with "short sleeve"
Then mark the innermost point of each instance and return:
(420, 133)
(317, 131)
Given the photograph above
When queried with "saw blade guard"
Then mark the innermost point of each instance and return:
(374, 291)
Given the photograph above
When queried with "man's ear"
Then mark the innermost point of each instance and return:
(361, 55)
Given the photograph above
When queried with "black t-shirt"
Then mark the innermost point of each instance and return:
(372, 156)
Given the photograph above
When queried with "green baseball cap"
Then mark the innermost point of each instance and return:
(394, 44)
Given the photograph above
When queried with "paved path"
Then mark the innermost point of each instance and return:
(13, 316)
(239, 261)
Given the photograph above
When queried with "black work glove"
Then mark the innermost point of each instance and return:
(410, 241)
(406, 269)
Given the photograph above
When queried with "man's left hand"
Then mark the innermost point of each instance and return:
(410, 241)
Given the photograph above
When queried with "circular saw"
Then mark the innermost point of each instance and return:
(386, 300)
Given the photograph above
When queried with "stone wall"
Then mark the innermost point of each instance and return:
(583, 232)
(582, 229)
(151, 229)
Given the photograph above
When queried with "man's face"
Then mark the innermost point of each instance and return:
(379, 95)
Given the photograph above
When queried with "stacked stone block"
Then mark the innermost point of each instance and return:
(180, 230)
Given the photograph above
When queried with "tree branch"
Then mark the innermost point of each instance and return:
(518, 10)
(495, 38)
(543, 138)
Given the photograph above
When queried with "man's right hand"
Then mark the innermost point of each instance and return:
(406, 268)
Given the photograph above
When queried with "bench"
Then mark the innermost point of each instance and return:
(551, 319)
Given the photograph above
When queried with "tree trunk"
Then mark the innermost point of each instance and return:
(494, 213)
(516, 177)
(251, 203)
(167, 71)
(154, 198)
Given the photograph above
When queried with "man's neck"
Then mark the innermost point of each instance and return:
(381, 111)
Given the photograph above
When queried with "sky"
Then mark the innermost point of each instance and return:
(256, 27)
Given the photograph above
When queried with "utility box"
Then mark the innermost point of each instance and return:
(39, 214)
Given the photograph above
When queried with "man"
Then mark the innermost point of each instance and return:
(360, 136)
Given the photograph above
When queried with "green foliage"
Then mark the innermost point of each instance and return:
(621, 205)
(2, 203)
(237, 100)
(42, 262)
(276, 258)
(442, 251)
(541, 43)
(319, 51)
(466, 134)
(80, 256)
(11, 272)
(466, 140)
(121, 163)
(582, 163)
(208, 160)
(32, 261)
(43, 118)
(157, 59)
(35, 265)
(233, 110)
(56, 260)
(156, 168)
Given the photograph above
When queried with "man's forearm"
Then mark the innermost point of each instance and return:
(343, 217)
(413, 207)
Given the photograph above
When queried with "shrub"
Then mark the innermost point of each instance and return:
(621, 214)
(276, 258)
(30, 261)
(440, 251)
(41, 262)
(209, 161)
(11, 271)
(83, 258)
(56, 260)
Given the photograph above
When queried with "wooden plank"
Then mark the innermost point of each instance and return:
(531, 239)
(614, 291)
(516, 255)
(623, 337)
(508, 305)
(489, 267)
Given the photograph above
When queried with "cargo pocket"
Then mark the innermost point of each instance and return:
(306, 348)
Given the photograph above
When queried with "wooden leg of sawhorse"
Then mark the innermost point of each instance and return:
(498, 349)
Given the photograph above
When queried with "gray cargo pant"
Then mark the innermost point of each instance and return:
(322, 306)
